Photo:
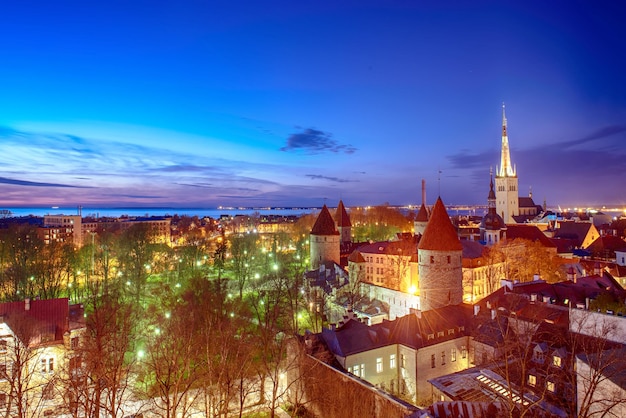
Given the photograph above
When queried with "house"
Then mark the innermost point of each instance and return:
(400, 356)
(36, 340)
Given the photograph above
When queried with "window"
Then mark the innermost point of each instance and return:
(443, 358)
(448, 259)
(355, 370)
(432, 361)
(532, 380)
(403, 361)
(432, 259)
(451, 331)
(3, 346)
(440, 333)
(556, 361)
(3, 371)
(47, 365)
(453, 354)
(463, 351)
(362, 370)
(550, 386)
(74, 343)
(3, 400)
(392, 361)
(379, 365)
(431, 336)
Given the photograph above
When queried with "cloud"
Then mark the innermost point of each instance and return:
(314, 141)
(335, 179)
(5, 180)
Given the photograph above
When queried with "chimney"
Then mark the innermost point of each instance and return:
(597, 270)
(571, 274)
(423, 192)
(476, 310)
(27, 304)
(493, 314)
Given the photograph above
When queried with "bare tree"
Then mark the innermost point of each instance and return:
(99, 367)
(597, 341)
(27, 369)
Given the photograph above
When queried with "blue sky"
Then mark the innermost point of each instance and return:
(283, 103)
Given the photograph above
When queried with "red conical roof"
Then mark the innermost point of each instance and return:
(341, 216)
(324, 225)
(422, 215)
(440, 234)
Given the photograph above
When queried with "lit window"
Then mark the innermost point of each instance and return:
(355, 370)
(392, 361)
(463, 351)
(451, 331)
(379, 365)
(550, 386)
(440, 333)
(362, 370)
(453, 354)
(532, 380)
(556, 361)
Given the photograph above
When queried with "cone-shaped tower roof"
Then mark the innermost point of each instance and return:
(341, 216)
(440, 234)
(506, 168)
(422, 215)
(324, 225)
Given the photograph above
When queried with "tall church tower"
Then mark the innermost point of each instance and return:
(507, 196)
(440, 256)
(492, 227)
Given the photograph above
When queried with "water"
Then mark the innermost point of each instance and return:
(153, 211)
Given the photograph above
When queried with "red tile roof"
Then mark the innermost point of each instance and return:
(324, 225)
(341, 216)
(529, 232)
(440, 234)
(51, 313)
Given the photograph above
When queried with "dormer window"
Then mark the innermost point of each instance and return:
(440, 334)
(431, 336)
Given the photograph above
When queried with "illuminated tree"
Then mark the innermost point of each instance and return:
(243, 251)
(101, 363)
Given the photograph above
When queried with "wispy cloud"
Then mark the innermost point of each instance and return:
(314, 141)
(581, 161)
(335, 179)
(16, 182)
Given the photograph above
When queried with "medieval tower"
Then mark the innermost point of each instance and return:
(324, 240)
(440, 262)
(507, 197)
(343, 224)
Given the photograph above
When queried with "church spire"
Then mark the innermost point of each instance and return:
(506, 168)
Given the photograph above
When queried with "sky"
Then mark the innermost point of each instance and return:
(301, 103)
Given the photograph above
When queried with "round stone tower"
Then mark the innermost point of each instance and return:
(440, 256)
(344, 226)
(324, 240)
